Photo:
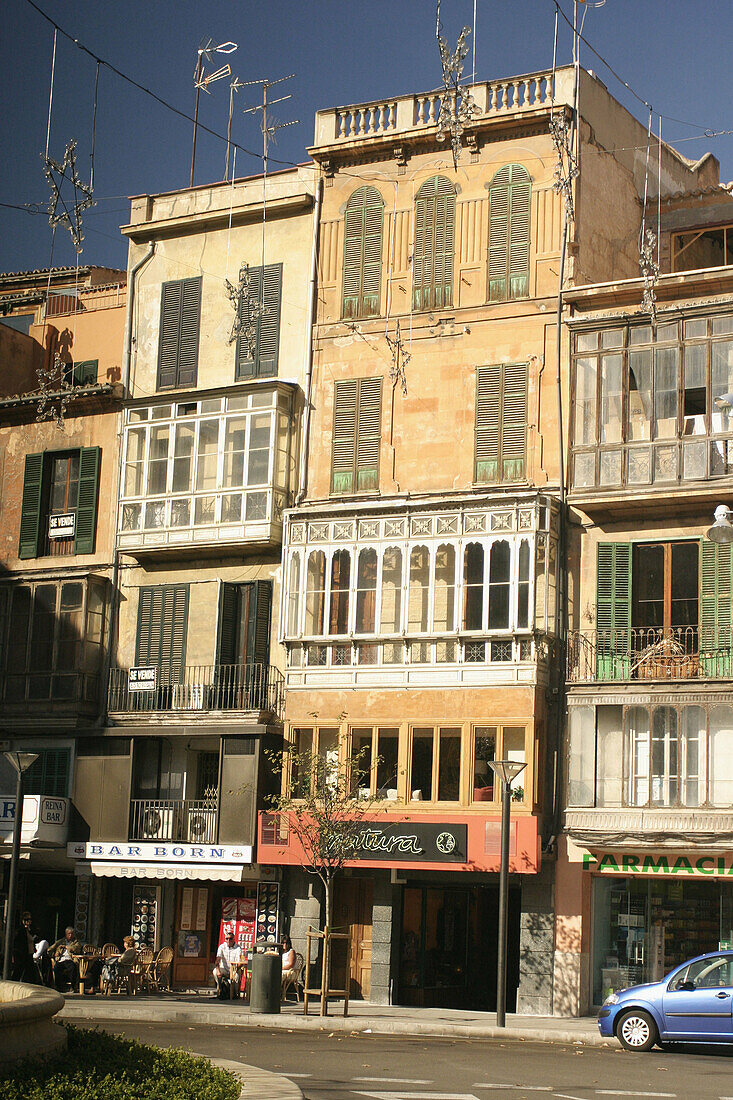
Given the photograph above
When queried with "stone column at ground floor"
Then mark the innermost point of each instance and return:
(536, 943)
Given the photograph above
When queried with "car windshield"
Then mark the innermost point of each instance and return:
(710, 973)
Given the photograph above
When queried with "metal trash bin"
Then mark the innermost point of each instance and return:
(266, 979)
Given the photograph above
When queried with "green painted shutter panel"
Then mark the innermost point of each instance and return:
(180, 319)
(488, 419)
(86, 508)
(514, 422)
(501, 422)
(363, 229)
(716, 594)
(509, 233)
(30, 512)
(368, 433)
(226, 649)
(188, 351)
(613, 611)
(434, 246)
(269, 323)
(170, 318)
(260, 633)
(343, 453)
(161, 629)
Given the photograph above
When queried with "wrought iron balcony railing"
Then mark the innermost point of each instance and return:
(191, 820)
(680, 653)
(253, 686)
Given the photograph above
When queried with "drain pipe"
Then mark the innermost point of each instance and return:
(309, 338)
(126, 373)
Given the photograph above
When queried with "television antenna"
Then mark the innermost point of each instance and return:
(205, 53)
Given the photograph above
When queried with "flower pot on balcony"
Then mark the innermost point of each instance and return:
(483, 794)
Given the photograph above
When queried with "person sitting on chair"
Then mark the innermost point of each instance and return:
(229, 954)
(288, 962)
(116, 967)
(65, 970)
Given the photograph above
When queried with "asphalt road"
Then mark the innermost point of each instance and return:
(364, 1067)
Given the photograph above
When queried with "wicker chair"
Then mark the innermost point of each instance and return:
(146, 960)
(162, 969)
(292, 977)
(109, 949)
(126, 977)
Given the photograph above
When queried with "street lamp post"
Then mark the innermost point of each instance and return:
(506, 771)
(21, 761)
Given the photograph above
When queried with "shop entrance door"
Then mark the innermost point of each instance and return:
(192, 962)
(353, 912)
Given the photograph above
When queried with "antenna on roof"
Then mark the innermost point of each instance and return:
(205, 53)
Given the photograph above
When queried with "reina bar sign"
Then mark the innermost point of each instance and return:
(412, 842)
(627, 863)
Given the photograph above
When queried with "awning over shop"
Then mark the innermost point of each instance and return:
(160, 871)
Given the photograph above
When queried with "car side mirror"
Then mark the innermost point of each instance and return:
(685, 987)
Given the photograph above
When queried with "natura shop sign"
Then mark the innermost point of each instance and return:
(641, 863)
(412, 842)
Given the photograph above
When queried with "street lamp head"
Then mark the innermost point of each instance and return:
(722, 529)
(506, 770)
(21, 761)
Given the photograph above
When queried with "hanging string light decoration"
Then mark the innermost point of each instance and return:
(457, 106)
(248, 309)
(400, 358)
(648, 255)
(61, 211)
(566, 169)
(55, 391)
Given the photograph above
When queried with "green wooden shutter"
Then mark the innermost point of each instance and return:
(86, 507)
(30, 512)
(368, 433)
(180, 319)
(509, 232)
(85, 373)
(259, 357)
(363, 229)
(229, 604)
(716, 595)
(170, 318)
(343, 450)
(188, 347)
(162, 624)
(613, 611)
(258, 627)
(434, 245)
(501, 422)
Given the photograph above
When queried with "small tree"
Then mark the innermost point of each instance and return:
(325, 801)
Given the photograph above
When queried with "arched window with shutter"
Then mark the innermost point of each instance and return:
(363, 227)
(509, 197)
(434, 246)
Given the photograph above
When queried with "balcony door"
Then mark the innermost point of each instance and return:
(243, 644)
(162, 626)
(665, 603)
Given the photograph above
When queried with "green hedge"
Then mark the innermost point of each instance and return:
(98, 1066)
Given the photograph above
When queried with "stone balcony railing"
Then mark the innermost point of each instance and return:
(656, 828)
(403, 114)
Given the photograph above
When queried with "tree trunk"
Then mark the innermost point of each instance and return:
(326, 968)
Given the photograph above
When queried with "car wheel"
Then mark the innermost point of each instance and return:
(636, 1030)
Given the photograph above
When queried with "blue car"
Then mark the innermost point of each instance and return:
(693, 1004)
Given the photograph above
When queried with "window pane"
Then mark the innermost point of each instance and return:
(361, 762)
(421, 769)
(235, 435)
(134, 462)
(499, 584)
(694, 409)
(665, 757)
(691, 749)
(611, 398)
(301, 768)
(585, 401)
(42, 628)
(259, 450)
(387, 753)
(666, 372)
(473, 586)
(581, 756)
(417, 610)
(391, 615)
(18, 632)
(640, 395)
(444, 589)
(315, 593)
(70, 626)
(293, 594)
(648, 589)
(685, 584)
(721, 352)
(721, 756)
(449, 765)
(609, 764)
(158, 459)
(484, 750)
(523, 586)
(328, 751)
(366, 592)
(340, 573)
(64, 488)
(208, 454)
(183, 458)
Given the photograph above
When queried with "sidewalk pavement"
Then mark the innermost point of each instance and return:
(364, 1018)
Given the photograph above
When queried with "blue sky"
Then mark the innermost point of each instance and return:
(673, 53)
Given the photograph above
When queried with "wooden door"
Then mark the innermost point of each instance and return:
(353, 913)
(192, 963)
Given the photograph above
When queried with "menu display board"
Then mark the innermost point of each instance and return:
(268, 910)
(238, 916)
(144, 915)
